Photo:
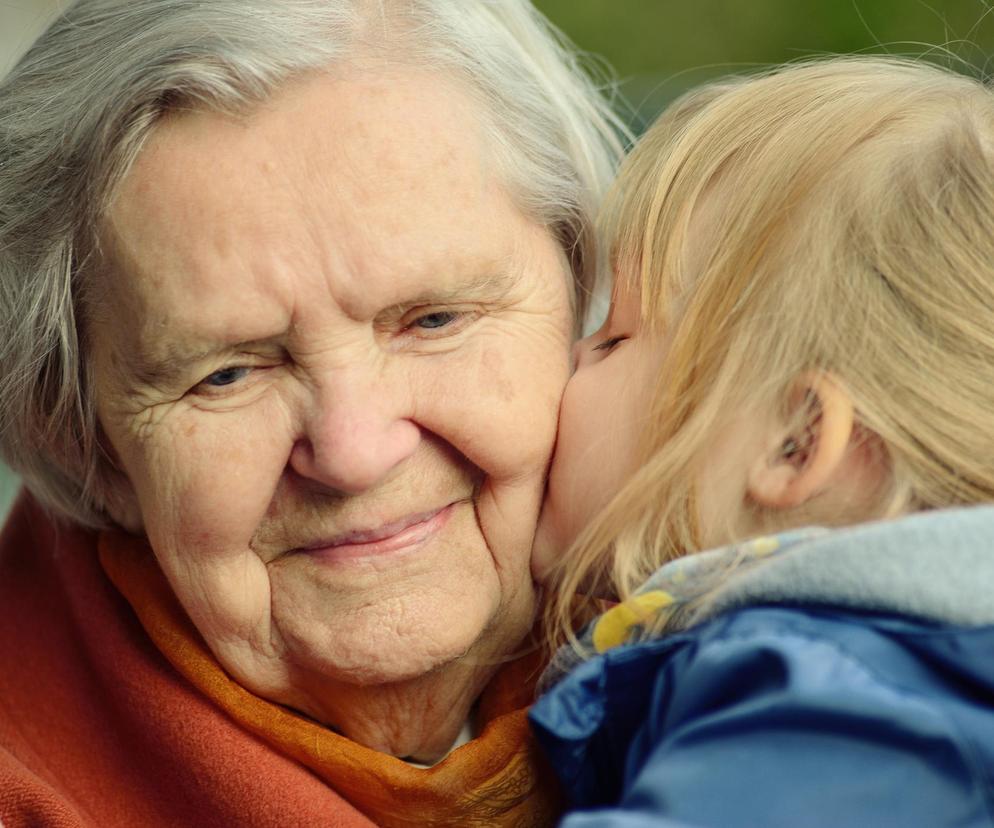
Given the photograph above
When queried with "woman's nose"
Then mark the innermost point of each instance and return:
(355, 435)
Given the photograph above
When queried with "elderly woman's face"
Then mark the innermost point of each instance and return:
(328, 359)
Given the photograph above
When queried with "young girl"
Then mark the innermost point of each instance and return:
(801, 334)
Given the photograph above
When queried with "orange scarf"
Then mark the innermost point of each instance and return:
(497, 779)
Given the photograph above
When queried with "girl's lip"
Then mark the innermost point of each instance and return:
(406, 532)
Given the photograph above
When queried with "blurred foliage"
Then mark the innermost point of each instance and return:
(659, 48)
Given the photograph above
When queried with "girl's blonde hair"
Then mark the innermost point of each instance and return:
(850, 229)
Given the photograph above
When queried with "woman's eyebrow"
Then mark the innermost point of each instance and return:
(493, 283)
(489, 287)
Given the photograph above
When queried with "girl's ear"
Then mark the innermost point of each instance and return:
(799, 461)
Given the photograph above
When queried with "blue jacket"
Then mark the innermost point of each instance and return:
(840, 678)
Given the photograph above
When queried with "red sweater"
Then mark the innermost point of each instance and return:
(114, 713)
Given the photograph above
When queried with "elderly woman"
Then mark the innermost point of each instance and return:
(286, 292)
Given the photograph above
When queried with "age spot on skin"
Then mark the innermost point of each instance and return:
(492, 373)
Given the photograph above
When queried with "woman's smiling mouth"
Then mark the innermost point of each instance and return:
(407, 532)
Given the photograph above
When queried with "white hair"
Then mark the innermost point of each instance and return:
(75, 111)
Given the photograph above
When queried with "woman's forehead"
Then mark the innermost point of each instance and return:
(399, 208)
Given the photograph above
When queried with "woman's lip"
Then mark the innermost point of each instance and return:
(407, 531)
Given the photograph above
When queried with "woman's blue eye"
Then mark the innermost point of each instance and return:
(431, 321)
(226, 376)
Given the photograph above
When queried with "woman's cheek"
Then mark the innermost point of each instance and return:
(498, 406)
(213, 476)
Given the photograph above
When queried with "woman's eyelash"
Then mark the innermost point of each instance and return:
(439, 324)
(608, 344)
(433, 321)
(224, 377)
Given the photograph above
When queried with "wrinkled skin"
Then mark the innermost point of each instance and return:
(328, 352)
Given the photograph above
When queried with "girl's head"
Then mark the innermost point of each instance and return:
(802, 326)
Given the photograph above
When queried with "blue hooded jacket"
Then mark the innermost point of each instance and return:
(836, 678)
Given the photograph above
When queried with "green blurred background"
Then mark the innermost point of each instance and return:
(659, 48)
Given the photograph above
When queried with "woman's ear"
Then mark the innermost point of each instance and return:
(800, 460)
